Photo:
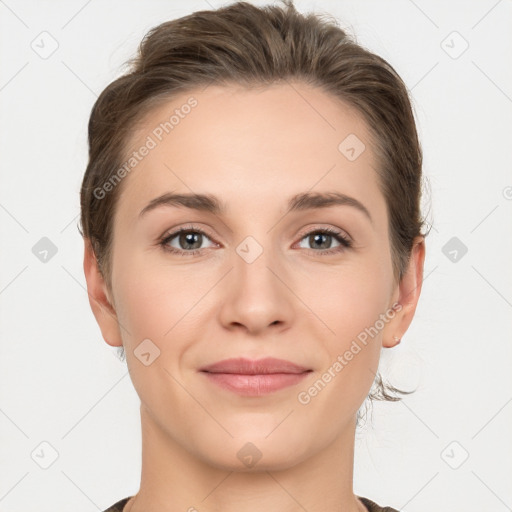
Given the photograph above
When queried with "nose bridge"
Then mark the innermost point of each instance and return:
(252, 274)
(254, 296)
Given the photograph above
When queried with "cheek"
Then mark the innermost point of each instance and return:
(352, 305)
(154, 302)
(351, 298)
(161, 302)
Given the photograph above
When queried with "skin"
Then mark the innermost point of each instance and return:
(253, 149)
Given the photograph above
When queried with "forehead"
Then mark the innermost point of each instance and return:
(255, 145)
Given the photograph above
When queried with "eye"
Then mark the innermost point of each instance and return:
(185, 241)
(189, 241)
(322, 239)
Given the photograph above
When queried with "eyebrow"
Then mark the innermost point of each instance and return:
(298, 202)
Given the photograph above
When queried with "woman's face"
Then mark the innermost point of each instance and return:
(258, 277)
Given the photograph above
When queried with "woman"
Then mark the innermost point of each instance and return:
(252, 230)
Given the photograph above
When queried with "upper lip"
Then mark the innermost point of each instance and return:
(254, 367)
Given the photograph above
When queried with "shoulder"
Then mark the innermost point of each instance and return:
(373, 507)
(118, 507)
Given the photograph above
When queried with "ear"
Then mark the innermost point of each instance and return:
(407, 295)
(99, 300)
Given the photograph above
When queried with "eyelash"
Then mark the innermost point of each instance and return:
(345, 243)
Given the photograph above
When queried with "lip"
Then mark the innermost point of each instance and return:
(254, 377)
(245, 366)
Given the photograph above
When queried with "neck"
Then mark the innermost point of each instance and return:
(173, 479)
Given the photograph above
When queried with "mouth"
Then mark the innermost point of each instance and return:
(255, 377)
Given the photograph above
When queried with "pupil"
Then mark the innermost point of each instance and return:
(190, 238)
(318, 237)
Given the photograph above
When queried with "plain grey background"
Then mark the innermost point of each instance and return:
(69, 416)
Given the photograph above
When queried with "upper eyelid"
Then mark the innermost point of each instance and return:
(173, 233)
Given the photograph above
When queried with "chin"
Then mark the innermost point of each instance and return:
(253, 454)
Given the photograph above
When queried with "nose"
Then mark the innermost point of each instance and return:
(256, 296)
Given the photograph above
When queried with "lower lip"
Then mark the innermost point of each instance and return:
(255, 385)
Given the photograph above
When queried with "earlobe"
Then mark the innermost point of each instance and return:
(409, 290)
(101, 306)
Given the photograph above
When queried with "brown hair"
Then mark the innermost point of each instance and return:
(249, 45)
